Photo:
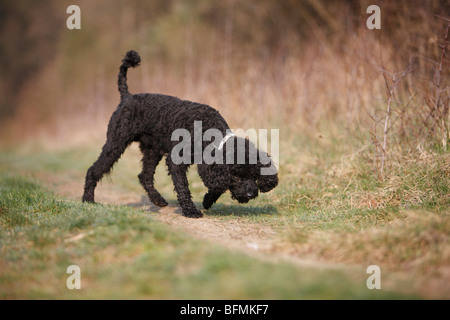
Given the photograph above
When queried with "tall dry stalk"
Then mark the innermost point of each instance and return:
(392, 80)
(441, 106)
(437, 93)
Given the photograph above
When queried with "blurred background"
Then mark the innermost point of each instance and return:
(304, 66)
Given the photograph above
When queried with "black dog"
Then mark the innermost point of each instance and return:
(151, 120)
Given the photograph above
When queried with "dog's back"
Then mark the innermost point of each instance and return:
(161, 114)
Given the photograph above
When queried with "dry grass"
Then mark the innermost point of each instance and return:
(416, 181)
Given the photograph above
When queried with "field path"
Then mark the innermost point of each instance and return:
(249, 236)
(254, 238)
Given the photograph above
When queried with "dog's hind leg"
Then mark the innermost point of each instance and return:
(146, 177)
(111, 152)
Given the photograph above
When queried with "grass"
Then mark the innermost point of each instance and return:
(329, 209)
(124, 253)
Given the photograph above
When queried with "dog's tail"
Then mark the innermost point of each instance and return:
(132, 59)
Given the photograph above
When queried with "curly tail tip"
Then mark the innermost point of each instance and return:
(132, 59)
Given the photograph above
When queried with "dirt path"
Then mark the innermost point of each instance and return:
(231, 233)
(228, 232)
(253, 238)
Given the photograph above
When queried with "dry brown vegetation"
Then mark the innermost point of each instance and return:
(302, 65)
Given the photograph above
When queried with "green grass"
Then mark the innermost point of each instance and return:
(124, 253)
(328, 207)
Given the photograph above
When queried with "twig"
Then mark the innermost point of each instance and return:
(396, 78)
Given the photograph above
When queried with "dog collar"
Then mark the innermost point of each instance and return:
(228, 136)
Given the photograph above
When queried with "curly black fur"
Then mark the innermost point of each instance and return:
(150, 120)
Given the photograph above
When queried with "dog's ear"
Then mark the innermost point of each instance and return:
(268, 175)
(267, 182)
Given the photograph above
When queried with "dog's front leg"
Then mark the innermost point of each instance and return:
(210, 198)
(181, 184)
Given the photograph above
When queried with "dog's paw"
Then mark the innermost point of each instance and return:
(193, 213)
(159, 201)
(87, 199)
(207, 205)
(207, 202)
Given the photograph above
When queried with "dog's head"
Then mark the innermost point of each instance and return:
(251, 170)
